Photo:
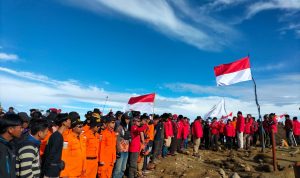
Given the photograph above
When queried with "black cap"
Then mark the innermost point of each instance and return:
(95, 122)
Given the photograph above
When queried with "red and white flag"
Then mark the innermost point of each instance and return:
(238, 71)
(143, 103)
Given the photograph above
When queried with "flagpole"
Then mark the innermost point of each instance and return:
(259, 115)
(106, 98)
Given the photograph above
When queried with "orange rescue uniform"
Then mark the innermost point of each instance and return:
(74, 155)
(107, 153)
(92, 150)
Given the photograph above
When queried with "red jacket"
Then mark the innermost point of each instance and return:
(248, 125)
(214, 127)
(240, 124)
(221, 127)
(135, 144)
(266, 126)
(254, 127)
(186, 130)
(180, 127)
(274, 125)
(168, 128)
(296, 128)
(197, 129)
(229, 130)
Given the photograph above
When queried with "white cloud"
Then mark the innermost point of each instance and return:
(162, 15)
(272, 4)
(20, 90)
(271, 67)
(8, 57)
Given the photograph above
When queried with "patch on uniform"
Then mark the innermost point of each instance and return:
(65, 145)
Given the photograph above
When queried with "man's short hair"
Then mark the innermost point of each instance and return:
(37, 125)
(9, 120)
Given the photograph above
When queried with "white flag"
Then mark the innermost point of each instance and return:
(217, 110)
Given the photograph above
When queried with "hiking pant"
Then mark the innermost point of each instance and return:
(214, 141)
(240, 139)
(179, 142)
(247, 139)
(173, 145)
(157, 149)
(196, 145)
(289, 137)
(206, 142)
(120, 165)
(133, 158)
(229, 142)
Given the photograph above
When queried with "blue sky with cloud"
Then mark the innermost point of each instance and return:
(72, 54)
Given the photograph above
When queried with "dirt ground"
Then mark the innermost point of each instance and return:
(225, 163)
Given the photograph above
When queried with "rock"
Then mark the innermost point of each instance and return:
(280, 167)
(163, 170)
(267, 168)
(235, 175)
(222, 173)
(247, 168)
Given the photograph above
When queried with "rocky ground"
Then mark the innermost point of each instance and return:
(229, 164)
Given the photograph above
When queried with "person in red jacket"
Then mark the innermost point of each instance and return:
(168, 133)
(197, 133)
(221, 131)
(186, 132)
(135, 145)
(247, 131)
(296, 129)
(254, 131)
(240, 126)
(267, 130)
(272, 126)
(288, 126)
(229, 132)
(214, 127)
(180, 127)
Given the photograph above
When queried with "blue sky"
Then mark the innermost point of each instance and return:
(72, 54)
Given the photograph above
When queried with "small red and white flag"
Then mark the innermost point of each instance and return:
(238, 71)
(143, 103)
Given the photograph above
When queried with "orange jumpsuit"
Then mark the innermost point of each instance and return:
(85, 128)
(107, 153)
(74, 155)
(92, 150)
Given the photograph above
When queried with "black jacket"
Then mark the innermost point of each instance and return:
(7, 159)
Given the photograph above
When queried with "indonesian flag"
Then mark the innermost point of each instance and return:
(143, 103)
(238, 71)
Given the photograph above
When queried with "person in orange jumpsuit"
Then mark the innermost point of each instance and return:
(86, 124)
(107, 149)
(74, 153)
(92, 147)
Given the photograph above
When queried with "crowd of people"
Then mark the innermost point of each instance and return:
(57, 144)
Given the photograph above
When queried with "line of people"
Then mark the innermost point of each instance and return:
(61, 145)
